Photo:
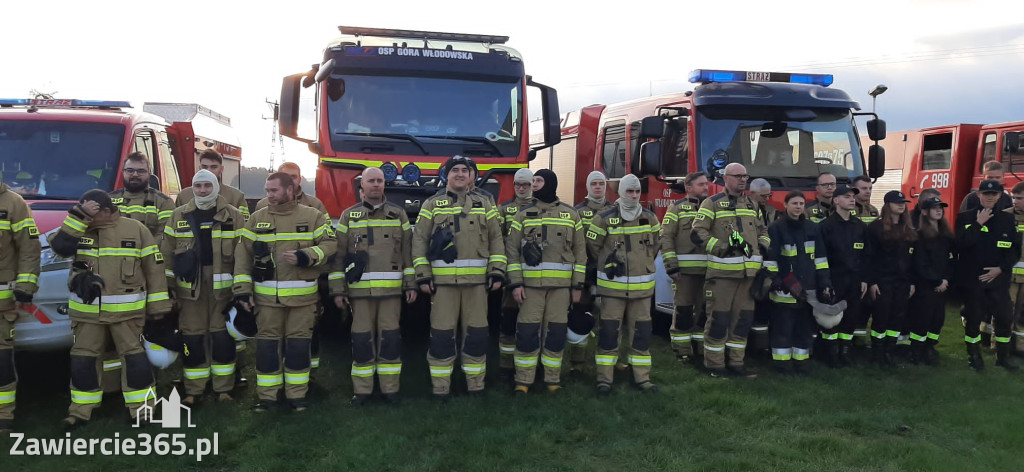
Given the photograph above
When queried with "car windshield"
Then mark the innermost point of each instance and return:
(442, 116)
(59, 159)
(787, 144)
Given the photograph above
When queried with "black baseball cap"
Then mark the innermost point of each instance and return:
(933, 202)
(845, 189)
(990, 186)
(895, 196)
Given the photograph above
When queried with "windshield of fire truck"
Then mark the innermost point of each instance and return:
(786, 144)
(444, 116)
(59, 159)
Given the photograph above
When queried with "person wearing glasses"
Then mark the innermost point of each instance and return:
(523, 185)
(138, 201)
(686, 263)
(821, 207)
(730, 230)
(761, 193)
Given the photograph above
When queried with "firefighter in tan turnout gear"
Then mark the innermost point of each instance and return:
(523, 183)
(19, 273)
(199, 249)
(547, 262)
(458, 252)
(582, 313)
(212, 161)
(116, 281)
(279, 256)
(373, 267)
(729, 228)
(686, 263)
(626, 240)
(138, 201)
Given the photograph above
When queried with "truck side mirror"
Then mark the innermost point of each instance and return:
(876, 129)
(650, 159)
(652, 127)
(288, 107)
(552, 119)
(1011, 142)
(876, 161)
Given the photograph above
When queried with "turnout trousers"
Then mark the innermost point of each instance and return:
(90, 341)
(636, 315)
(283, 350)
(730, 315)
(541, 333)
(686, 332)
(376, 344)
(211, 349)
(464, 307)
(8, 374)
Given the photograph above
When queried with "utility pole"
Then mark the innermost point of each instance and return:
(276, 140)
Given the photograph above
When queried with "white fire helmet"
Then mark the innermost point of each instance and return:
(232, 313)
(159, 356)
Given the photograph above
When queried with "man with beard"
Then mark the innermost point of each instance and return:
(686, 263)
(523, 184)
(138, 201)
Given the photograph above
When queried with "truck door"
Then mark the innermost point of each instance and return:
(936, 164)
(613, 155)
(169, 178)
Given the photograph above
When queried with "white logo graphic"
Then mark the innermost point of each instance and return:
(170, 411)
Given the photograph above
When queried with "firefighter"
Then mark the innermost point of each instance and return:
(865, 210)
(280, 254)
(1017, 282)
(547, 263)
(686, 263)
(372, 270)
(293, 171)
(212, 161)
(761, 193)
(991, 170)
(821, 207)
(934, 260)
(198, 249)
(584, 312)
(523, 184)
(458, 253)
(626, 241)
(138, 201)
(801, 272)
(915, 214)
(988, 246)
(728, 227)
(845, 238)
(890, 244)
(116, 282)
(19, 253)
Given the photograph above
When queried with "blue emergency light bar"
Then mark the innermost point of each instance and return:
(62, 102)
(703, 76)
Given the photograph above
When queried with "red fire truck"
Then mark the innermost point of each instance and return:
(784, 127)
(409, 100)
(949, 159)
(52, 151)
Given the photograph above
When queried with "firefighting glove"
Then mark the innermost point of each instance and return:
(827, 296)
(762, 284)
(740, 245)
(794, 287)
(263, 262)
(302, 259)
(613, 267)
(355, 265)
(533, 254)
(164, 332)
(442, 246)
(22, 297)
(87, 286)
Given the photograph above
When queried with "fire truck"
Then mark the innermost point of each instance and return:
(54, 150)
(950, 159)
(784, 127)
(409, 100)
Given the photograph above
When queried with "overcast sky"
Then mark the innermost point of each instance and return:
(944, 61)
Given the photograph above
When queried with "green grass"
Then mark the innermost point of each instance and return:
(910, 418)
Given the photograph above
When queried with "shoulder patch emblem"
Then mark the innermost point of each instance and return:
(511, 210)
(591, 235)
(686, 207)
(355, 214)
(263, 225)
(614, 221)
(564, 215)
(858, 245)
(182, 224)
(87, 241)
(159, 257)
(724, 204)
(117, 201)
(588, 213)
(441, 203)
(33, 231)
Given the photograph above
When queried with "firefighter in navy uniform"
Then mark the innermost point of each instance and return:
(686, 263)
(626, 241)
(547, 262)
(19, 271)
(372, 270)
(116, 281)
(199, 248)
(934, 261)
(845, 239)
(279, 257)
(821, 207)
(523, 183)
(138, 201)
(730, 230)
(458, 253)
(586, 310)
(1017, 282)
(988, 245)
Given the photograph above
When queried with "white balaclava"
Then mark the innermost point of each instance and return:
(209, 201)
(596, 175)
(524, 175)
(629, 208)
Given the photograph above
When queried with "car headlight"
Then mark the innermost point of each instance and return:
(49, 260)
